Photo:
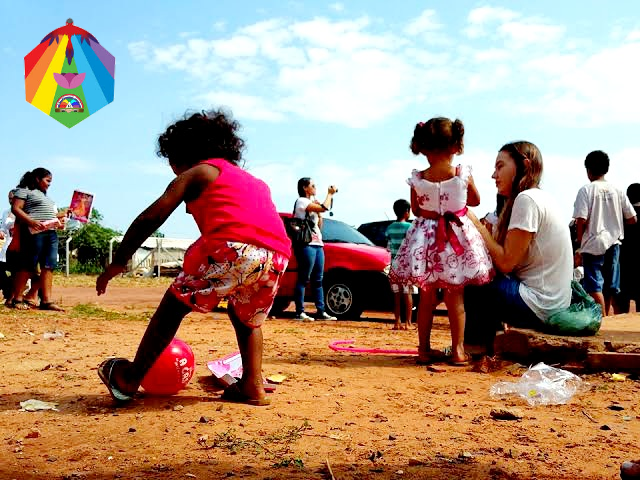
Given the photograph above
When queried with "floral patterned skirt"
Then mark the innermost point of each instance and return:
(248, 276)
(428, 259)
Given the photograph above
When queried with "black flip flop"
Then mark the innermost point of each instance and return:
(233, 394)
(105, 369)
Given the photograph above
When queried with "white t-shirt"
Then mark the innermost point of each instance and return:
(547, 269)
(7, 222)
(300, 210)
(605, 208)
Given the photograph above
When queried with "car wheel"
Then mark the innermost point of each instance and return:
(279, 306)
(342, 299)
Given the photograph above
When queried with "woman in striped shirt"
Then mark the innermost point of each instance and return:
(38, 218)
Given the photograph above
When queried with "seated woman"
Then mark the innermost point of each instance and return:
(530, 247)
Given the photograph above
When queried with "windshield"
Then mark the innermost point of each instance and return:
(334, 231)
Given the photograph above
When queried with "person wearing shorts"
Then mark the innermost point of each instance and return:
(395, 234)
(241, 254)
(601, 211)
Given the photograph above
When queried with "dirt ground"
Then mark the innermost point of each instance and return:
(364, 416)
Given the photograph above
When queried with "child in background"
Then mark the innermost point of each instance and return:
(241, 254)
(395, 234)
(442, 249)
(630, 257)
(600, 211)
(6, 232)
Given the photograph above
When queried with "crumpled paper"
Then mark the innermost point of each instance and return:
(33, 405)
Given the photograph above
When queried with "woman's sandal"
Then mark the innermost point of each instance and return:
(30, 304)
(233, 394)
(51, 306)
(19, 305)
(430, 356)
(105, 370)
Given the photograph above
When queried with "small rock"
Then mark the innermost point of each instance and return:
(52, 459)
(190, 475)
(627, 418)
(506, 414)
(616, 408)
(414, 462)
(132, 429)
(178, 408)
(465, 455)
(204, 419)
(392, 437)
(34, 433)
(436, 369)
(400, 472)
(605, 427)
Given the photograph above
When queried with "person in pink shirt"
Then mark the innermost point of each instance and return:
(241, 254)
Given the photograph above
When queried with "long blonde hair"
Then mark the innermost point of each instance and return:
(528, 160)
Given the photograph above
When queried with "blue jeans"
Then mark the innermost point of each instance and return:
(488, 306)
(45, 250)
(602, 272)
(310, 268)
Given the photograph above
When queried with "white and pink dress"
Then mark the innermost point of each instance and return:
(442, 249)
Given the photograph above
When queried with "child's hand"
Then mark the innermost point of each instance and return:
(103, 280)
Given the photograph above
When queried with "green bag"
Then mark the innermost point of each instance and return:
(582, 318)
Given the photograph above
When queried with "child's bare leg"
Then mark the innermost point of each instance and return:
(453, 299)
(161, 329)
(397, 299)
(425, 322)
(250, 345)
(599, 298)
(408, 309)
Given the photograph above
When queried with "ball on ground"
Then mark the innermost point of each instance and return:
(172, 371)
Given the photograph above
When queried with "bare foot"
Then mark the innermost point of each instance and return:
(397, 326)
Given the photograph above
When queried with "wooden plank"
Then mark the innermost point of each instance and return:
(614, 361)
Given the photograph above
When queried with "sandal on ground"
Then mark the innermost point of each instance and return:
(18, 305)
(460, 363)
(233, 394)
(105, 370)
(30, 304)
(51, 306)
(430, 356)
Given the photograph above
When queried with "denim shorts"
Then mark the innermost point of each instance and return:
(602, 272)
(44, 251)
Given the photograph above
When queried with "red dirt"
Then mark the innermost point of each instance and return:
(369, 417)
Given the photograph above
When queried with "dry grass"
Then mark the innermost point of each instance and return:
(90, 280)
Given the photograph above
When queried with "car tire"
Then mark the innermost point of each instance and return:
(342, 299)
(279, 305)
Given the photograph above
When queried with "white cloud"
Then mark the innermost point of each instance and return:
(337, 7)
(359, 71)
(478, 19)
(243, 106)
(425, 23)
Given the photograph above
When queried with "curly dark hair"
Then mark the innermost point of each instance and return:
(201, 136)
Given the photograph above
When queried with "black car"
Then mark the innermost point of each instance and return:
(375, 231)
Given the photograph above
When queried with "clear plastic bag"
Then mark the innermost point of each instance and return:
(541, 385)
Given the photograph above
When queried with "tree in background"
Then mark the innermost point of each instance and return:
(90, 244)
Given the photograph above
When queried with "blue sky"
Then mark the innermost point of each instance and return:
(332, 91)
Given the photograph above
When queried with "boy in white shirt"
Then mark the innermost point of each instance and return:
(600, 211)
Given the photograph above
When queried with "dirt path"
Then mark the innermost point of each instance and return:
(370, 417)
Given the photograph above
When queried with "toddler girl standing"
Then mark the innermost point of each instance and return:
(442, 249)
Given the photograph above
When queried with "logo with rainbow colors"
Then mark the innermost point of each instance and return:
(69, 75)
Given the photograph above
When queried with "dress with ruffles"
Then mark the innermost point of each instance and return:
(442, 249)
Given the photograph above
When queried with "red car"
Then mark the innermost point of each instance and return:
(355, 274)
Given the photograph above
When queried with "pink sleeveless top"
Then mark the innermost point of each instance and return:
(238, 207)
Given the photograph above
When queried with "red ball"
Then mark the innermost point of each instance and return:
(172, 370)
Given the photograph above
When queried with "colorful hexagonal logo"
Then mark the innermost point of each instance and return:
(69, 75)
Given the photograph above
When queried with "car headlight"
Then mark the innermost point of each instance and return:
(386, 270)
